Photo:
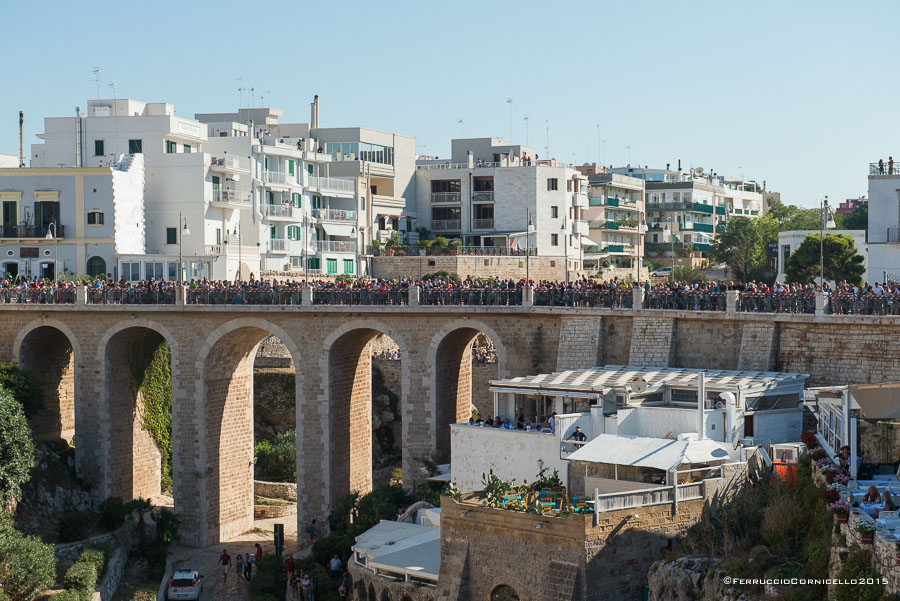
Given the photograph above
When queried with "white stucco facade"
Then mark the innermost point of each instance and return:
(884, 226)
(789, 241)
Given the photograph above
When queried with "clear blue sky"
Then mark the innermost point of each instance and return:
(800, 94)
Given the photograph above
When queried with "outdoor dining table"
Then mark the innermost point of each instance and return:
(871, 507)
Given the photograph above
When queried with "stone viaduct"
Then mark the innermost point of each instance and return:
(81, 354)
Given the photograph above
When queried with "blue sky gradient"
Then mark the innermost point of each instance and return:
(800, 94)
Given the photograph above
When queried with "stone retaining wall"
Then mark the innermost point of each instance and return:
(364, 579)
(275, 490)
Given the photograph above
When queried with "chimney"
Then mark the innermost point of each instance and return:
(667, 166)
(21, 146)
(470, 159)
(679, 165)
(314, 113)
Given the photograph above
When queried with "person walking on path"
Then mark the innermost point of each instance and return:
(248, 569)
(225, 562)
(239, 565)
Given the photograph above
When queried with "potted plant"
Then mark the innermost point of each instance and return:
(840, 510)
(809, 439)
(866, 530)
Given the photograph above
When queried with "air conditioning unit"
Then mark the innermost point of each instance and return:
(747, 441)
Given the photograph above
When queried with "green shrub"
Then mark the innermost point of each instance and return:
(23, 386)
(276, 460)
(263, 585)
(858, 565)
(16, 448)
(27, 566)
(144, 594)
(97, 557)
(73, 595)
(112, 513)
(74, 526)
(167, 525)
(82, 576)
(156, 559)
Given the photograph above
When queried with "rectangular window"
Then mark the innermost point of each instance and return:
(552, 184)
(314, 263)
(554, 212)
(131, 271)
(98, 148)
(362, 203)
(171, 235)
(218, 235)
(172, 271)
(135, 146)
(95, 217)
(153, 271)
(291, 167)
(297, 200)
(348, 266)
(187, 149)
(568, 185)
(554, 239)
(171, 147)
(332, 265)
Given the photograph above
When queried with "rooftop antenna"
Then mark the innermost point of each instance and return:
(422, 146)
(96, 72)
(547, 147)
(628, 148)
(268, 95)
(526, 129)
(461, 131)
(600, 158)
(115, 86)
(240, 93)
(509, 101)
(252, 97)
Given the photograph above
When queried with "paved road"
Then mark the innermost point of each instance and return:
(233, 588)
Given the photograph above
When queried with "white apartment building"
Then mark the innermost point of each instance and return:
(789, 241)
(488, 192)
(884, 222)
(615, 216)
(62, 221)
(177, 182)
(320, 195)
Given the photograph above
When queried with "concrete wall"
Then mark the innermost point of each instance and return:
(510, 454)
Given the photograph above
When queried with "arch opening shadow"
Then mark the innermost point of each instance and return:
(47, 353)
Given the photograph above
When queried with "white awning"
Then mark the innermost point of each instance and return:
(338, 229)
(336, 194)
(658, 453)
(587, 241)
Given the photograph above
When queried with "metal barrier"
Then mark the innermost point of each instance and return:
(785, 302)
(685, 301)
(863, 304)
(471, 296)
(130, 296)
(40, 296)
(199, 296)
(360, 296)
(613, 299)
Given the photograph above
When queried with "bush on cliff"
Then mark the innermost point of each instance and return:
(16, 449)
(27, 566)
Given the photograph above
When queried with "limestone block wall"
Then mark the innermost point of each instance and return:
(694, 339)
(482, 398)
(47, 354)
(580, 343)
(652, 341)
(617, 332)
(757, 347)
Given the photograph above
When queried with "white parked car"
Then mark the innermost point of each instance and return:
(662, 272)
(185, 584)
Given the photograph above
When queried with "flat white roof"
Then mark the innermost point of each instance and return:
(599, 380)
(401, 548)
(658, 453)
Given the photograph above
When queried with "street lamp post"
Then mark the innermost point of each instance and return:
(827, 222)
(564, 230)
(642, 231)
(670, 231)
(355, 236)
(237, 232)
(529, 229)
(183, 231)
(51, 235)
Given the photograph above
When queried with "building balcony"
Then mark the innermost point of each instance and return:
(283, 246)
(390, 202)
(582, 227)
(484, 196)
(482, 224)
(445, 197)
(275, 212)
(699, 227)
(229, 199)
(229, 165)
(884, 169)
(214, 249)
(445, 225)
(720, 210)
(334, 215)
(33, 231)
(336, 246)
(345, 185)
(279, 178)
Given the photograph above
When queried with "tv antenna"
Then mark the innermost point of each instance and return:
(461, 134)
(96, 72)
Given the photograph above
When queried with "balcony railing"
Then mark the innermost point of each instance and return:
(444, 197)
(230, 163)
(52, 296)
(336, 246)
(334, 214)
(273, 210)
(332, 183)
(279, 244)
(888, 168)
(231, 197)
(444, 225)
(484, 196)
(33, 231)
(618, 299)
(277, 177)
(482, 224)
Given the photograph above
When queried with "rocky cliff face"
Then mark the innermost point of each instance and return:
(690, 579)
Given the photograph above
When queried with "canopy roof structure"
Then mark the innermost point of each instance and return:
(400, 548)
(658, 453)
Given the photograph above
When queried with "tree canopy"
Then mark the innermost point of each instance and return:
(858, 219)
(24, 387)
(841, 260)
(16, 448)
(27, 566)
(739, 246)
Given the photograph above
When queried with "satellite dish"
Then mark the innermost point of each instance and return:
(699, 170)
(639, 385)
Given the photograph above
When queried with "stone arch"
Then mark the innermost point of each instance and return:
(133, 461)
(450, 357)
(504, 592)
(48, 349)
(348, 431)
(372, 596)
(385, 595)
(225, 360)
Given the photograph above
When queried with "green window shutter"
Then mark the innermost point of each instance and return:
(291, 167)
(187, 148)
(297, 200)
(135, 146)
(348, 266)
(362, 203)
(171, 147)
(313, 263)
(171, 235)
(309, 170)
(270, 197)
(98, 148)
(272, 233)
(332, 265)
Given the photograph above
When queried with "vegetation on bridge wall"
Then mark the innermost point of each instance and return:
(151, 374)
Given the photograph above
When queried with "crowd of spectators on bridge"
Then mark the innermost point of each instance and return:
(843, 297)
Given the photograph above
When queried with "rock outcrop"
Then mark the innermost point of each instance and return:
(690, 579)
